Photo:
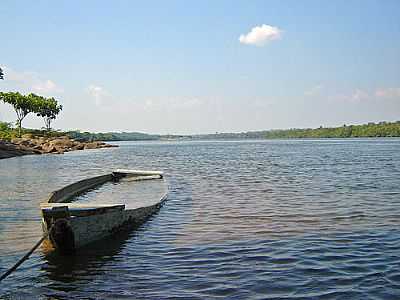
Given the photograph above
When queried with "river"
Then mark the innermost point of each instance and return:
(275, 219)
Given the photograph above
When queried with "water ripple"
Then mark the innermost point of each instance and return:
(311, 219)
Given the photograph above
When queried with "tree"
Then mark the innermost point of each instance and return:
(48, 109)
(1, 74)
(22, 104)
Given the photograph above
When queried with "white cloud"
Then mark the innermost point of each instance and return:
(358, 95)
(31, 82)
(388, 93)
(260, 35)
(355, 96)
(98, 93)
(314, 91)
(45, 86)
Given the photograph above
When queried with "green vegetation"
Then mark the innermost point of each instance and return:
(382, 129)
(111, 136)
(8, 132)
(47, 108)
(22, 105)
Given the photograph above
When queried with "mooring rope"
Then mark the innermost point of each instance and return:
(24, 258)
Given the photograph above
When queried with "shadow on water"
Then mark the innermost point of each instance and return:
(88, 261)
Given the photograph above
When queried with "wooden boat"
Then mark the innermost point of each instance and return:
(71, 225)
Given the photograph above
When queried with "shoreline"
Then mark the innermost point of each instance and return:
(9, 150)
(29, 145)
(60, 145)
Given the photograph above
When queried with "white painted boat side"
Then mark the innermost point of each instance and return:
(93, 228)
(138, 172)
(92, 222)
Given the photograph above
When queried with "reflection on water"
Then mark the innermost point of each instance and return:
(255, 219)
(87, 263)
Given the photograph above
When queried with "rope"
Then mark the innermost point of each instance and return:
(24, 258)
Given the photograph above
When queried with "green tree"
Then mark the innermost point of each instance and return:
(48, 109)
(22, 104)
(4, 126)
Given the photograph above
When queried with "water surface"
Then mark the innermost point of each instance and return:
(281, 219)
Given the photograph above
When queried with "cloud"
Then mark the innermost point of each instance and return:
(380, 93)
(45, 86)
(98, 93)
(358, 95)
(31, 82)
(315, 90)
(260, 35)
(361, 95)
(353, 96)
(388, 93)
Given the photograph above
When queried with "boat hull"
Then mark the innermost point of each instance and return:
(86, 230)
(72, 226)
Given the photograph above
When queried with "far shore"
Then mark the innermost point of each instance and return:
(39, 142)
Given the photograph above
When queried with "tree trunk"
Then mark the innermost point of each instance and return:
(47, 122)
(19, 127)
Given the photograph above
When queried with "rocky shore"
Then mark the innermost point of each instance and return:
(40, 145)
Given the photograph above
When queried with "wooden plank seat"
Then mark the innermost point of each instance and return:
(78, 209)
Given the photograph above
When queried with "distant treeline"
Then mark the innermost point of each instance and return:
(382, 129)
(111, 136)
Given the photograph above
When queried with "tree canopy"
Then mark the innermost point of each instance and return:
(48, 108)
(23, 105)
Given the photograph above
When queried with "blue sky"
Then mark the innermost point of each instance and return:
(179, 66)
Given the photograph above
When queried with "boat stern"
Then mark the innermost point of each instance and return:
(56, 224)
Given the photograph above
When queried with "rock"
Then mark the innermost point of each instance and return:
(51, 149)
(65, 143)
(64, 137)
(28, 144)
(16, 140)
(92, 145)
(109, 146)
(8, 150)
(79, 146)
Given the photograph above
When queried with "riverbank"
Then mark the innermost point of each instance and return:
(8, 150)
(381, 129)
(29, 144)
